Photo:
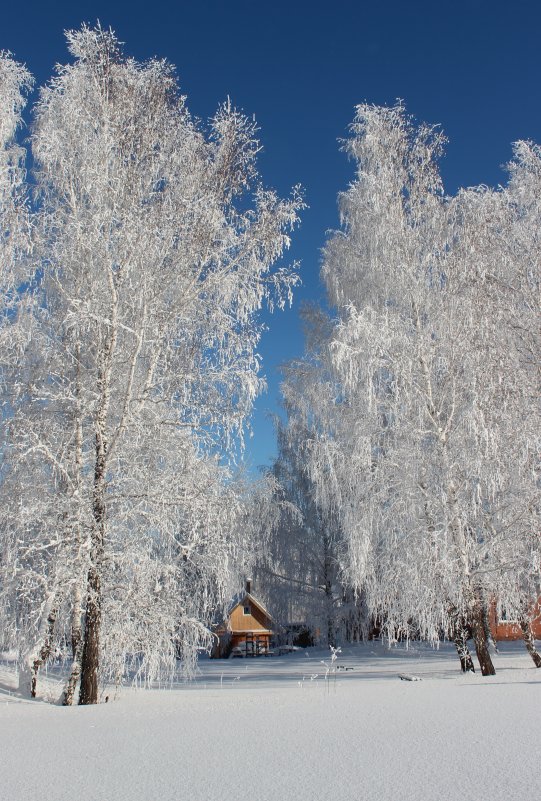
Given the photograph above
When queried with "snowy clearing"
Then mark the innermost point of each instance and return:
(274, 728)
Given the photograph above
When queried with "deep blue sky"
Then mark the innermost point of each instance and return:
(300, 67)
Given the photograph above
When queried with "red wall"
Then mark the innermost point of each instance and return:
(509, 630)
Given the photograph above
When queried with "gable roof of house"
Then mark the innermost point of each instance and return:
(242, 597)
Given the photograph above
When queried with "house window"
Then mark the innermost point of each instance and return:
(247, 610)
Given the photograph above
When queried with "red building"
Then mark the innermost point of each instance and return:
(506, 629)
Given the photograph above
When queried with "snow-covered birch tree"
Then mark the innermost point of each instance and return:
(519, 290)
(498, 244)
(422, 365)
(156, 243)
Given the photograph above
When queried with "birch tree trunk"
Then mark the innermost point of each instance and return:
(480, 637)
(45, 650)
(91, 645)
(40, 652)
(528, 637)
(460, 639)
(76, 649)
(93, 614)
(77, 641)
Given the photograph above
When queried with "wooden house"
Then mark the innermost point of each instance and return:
(247, 628)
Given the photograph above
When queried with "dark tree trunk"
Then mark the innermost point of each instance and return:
(91, 640)
(91, 637)
(527, 634)
(91, 645)
(480, 638)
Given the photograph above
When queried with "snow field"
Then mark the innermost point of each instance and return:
(264, 729)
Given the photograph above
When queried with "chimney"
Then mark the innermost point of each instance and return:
(249, 585)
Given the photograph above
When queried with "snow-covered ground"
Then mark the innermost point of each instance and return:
(275, 728)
